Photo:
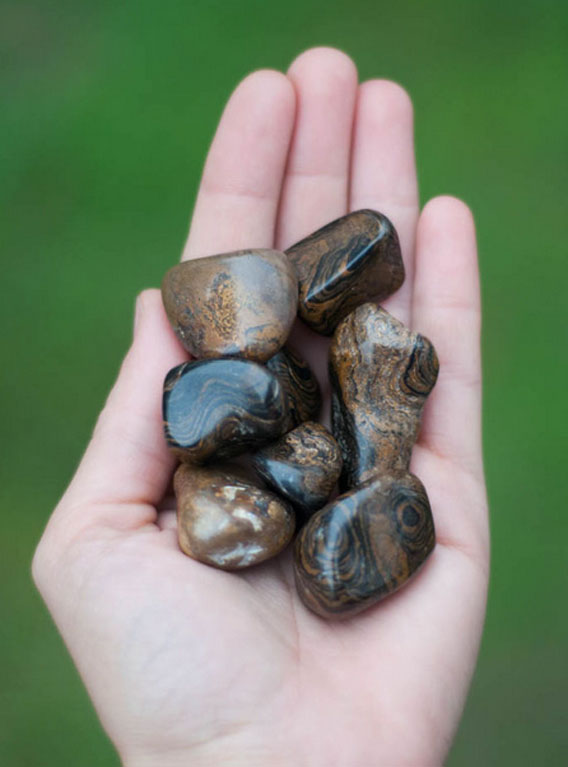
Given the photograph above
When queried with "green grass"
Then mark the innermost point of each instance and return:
(107, 112)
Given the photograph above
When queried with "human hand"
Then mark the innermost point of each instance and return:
(191, 665)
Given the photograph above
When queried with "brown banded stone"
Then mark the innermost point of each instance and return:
(347, 262)
(219, 408)
(303, 466)
(381, 374)
(233, 304)
(300, 386)
(364, 545)
(226, 521)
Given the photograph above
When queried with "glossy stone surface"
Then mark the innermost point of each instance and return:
(363, 546)
(220, 408)
(381, 374)
(300, 385)
(349, 261)
(302, 466)
(233, 304)
(226, 521)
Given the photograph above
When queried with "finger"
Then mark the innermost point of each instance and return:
(238, 198)
(316, 183)
(317, 177)
(447, 310)
(383, 171)
(127, 461)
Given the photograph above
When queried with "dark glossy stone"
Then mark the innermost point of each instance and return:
(349, 261)
(363, 546)
(234, 304)
(220, 408)
(303, 466)
(300, 385)
(381, 374)
(226, 521)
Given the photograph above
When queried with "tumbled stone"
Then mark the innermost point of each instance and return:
(363, 546)
(303, 466)
(381, 374)
(349, 261)
(300, 386)
(220, 408)
(233, 304)
(226, 521)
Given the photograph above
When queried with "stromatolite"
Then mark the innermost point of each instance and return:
(345, 263)
(381, 373)
(233, 304)
(302, 466)
(225, 520)
(220, 408)
(300, 386)
(364, 545)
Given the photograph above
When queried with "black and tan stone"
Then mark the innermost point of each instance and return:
(372, 539)
(215, 409)
(232, 304)
(303, 466)
(381, 374)
(350, 261)
(364, 545)
(226, 520)
(300, 385)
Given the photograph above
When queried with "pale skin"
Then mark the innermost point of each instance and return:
(188, 665)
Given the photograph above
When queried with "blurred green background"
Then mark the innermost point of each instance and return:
(107, 112)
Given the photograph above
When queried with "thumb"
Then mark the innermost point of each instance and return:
(127, 461)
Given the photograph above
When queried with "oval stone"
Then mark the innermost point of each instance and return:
(233, 304)
(381, 373)
(226, 521)
(364, 545)
(303, 466)
(300, 385)
(220, 408)
(345, 263)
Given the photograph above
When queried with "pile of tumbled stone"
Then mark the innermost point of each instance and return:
(256, 466)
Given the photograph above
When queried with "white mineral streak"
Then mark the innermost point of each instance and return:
(240, 555)
(211, 521)
(229, 492)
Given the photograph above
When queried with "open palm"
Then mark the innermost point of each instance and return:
(190, 665)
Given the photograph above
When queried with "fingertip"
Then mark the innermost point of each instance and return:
(449, 213)
(153, 332)
(447, 254)
(146, 301)
(265, 88)
(386, 97)
(331, 62)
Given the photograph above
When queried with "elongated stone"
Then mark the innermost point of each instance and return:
(303, 466)
(233, 304)
(220, 408)
(226, 521)
(381, 374)
(363, 546)
(300, 385)
(349, 261)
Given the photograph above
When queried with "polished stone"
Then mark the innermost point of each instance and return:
(226, 521)
(300, 386)
(381, 374)
(220, 408)
(233, 304)
(303, 466)
(349, 261)
(363, 546)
